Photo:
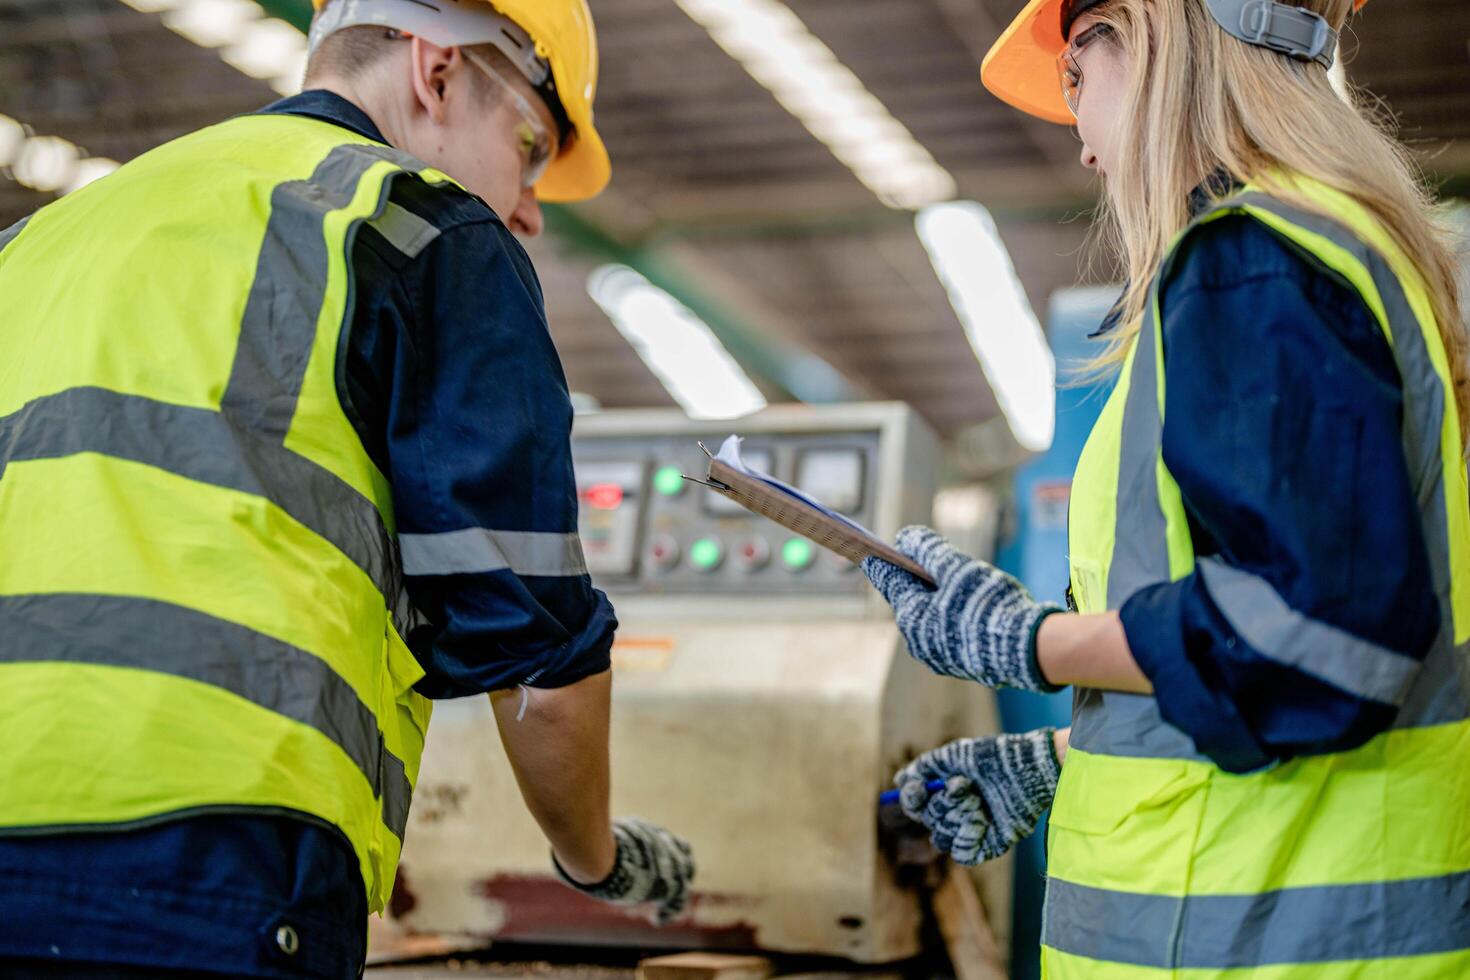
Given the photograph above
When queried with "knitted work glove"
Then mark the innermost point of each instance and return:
(978, 623)
(652, 866)
(996, 789)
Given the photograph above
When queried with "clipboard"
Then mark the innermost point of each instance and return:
(799, 513)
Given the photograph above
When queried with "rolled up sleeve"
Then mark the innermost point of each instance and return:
(478, 439)
(1311, 606)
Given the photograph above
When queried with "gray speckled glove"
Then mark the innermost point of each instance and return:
(978, 623)
(996, 789)
(652, 866)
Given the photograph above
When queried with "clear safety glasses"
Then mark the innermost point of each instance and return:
(1070, 70)
(538, 142)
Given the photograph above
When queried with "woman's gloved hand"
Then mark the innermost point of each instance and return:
(979, 623)
(996, 789)
(652, 866)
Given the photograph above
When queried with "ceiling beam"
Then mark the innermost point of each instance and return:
(796, 372)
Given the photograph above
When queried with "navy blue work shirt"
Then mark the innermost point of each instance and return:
(451, 380)
(1282, 426)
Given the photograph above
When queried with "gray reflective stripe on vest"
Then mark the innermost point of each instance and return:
(1273, 629)
(1442, 692)
(404, 230)
(1112, 722)
(278, 332)
(1369, 921)
(1121, 724)
(1140, 546)
(203, 445)
(146, 634)
(10, 234)
(479, 549)
(278, 328)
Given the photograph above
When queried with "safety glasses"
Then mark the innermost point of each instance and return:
(1070, 70)
(538, 142)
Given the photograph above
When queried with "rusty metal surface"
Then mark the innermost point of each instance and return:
(533, 970)
(486, 965)
(765, 747)
(765, 750)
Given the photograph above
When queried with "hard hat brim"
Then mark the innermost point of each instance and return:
(1021, 67)
(579, 172)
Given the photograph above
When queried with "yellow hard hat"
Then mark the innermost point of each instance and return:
(564, 40)
(1021, 67)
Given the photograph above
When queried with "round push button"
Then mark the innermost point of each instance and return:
(668, 481)
(753, 554)
(663, 552)
(706, 554)
(798, 554)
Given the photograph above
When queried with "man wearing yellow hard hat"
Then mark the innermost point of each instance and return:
(1267, 773)
(284, 457)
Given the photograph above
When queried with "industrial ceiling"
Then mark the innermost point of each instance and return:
(720, 194)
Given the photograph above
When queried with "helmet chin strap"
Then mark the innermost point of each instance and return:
(1289, 30)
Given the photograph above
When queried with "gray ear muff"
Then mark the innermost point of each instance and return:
(1289, 30)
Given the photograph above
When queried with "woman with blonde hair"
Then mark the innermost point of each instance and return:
(1268, 770)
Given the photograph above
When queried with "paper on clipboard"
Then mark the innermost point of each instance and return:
(796, 511)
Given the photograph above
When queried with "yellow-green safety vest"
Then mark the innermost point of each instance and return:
(1350, 865)
(201, 603)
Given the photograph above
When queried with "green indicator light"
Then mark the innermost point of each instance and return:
(797, 553)
(668, 481)
(706, 554)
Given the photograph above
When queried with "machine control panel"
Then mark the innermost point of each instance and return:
(646, 529)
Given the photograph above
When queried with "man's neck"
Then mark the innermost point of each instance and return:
(362, 96)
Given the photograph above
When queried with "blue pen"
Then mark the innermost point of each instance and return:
(891, 796)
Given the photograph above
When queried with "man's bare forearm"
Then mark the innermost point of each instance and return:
(559, 751)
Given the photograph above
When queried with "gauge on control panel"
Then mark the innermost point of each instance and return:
(833, 476)
(722, 506)
(608, 496)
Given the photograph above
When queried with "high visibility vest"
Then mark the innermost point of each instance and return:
(201, 597)
(1349, 865)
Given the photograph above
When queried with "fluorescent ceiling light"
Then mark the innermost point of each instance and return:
(804, 75)
(211, 23)
(152, 6)
(270, 49)
(12, 135)
(972, 262)
(249, 41)
(678, 347)
(88, 170)
(47, 163)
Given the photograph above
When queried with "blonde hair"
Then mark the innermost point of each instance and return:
(1200, 101)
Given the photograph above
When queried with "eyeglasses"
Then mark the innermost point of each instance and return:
(538, 142)
(1070, 70)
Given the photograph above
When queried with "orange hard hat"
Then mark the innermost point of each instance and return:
(1021, 67)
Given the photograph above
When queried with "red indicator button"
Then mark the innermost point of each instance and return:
(604, 496)
(663, 552)
(753, 554)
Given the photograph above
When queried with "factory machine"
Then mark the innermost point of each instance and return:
(762, 699)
